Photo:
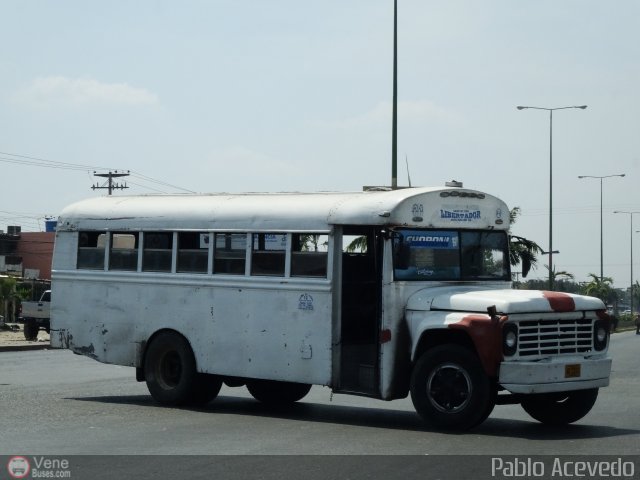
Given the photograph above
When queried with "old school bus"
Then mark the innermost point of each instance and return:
(382, 294)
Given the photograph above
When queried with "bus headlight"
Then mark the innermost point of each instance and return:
(600, 335)
(509, 339)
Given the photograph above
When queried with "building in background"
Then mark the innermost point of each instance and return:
(10, 262)
(27, 254)
(36, 250)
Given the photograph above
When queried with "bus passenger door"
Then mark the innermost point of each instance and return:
(361, 310)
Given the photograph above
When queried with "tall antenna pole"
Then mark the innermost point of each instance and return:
(406, 160)
(394, 127)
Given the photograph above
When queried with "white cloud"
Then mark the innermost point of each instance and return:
(408, 111)
(59, 91)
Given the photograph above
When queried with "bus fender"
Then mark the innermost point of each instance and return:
(486, 334)
(480, 332)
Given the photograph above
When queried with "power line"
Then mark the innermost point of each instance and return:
(159, 182)
(29, 160)
(42, 162)
(148, 188)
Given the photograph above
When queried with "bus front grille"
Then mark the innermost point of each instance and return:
(554, 337)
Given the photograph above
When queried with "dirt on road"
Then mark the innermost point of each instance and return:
(14, 338)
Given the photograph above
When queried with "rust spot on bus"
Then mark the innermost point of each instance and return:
(486, 335)
(559, 302)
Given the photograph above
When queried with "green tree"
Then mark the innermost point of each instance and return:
(558, 276)
(634, 292)
(521, 250)
(310, 243)
(562, 284)
(601, 288)
(358, 244)
(8, 297)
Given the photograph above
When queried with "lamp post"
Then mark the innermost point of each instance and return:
(394, 114)
(551, 110)
(601, 243)
(631, 254)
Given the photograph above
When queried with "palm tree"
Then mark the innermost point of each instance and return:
(309, 243)
(561, 275)
(358, 244)
(601, 288)
(521, 250)
(562, 280)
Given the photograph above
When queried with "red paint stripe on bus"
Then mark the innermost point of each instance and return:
(486, 335)
(560, 302)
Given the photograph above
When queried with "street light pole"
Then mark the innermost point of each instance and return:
(631, 255)
(394, 114)
(551, 110)
(601, 242)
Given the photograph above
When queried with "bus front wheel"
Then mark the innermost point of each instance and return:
(449, 388)
(171, 375)
(276, 393)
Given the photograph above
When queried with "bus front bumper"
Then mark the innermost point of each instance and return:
(555, 374)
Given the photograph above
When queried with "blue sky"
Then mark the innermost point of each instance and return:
(282, 95)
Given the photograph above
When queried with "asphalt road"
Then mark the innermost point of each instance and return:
(57, 403)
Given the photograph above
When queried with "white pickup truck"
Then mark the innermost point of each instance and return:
(35, 316)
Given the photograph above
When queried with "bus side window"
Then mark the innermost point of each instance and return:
(193, 252)
(158, 247)
(124, 251)
(309, 255)
(91, 251)
(230, 250)
(268, 254)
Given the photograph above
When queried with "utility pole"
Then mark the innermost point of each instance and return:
(110, 184)
(394, 121)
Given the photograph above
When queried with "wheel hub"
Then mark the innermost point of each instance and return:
(170, 369)
(449, 388)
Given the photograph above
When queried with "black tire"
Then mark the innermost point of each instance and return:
(31, 331)
(206, 390)
(560, 408)
(450, 389)
(277, 393)
(171, 376)
(490, 405)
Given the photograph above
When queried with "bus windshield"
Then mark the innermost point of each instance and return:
(422, 255)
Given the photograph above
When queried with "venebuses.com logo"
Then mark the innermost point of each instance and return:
(18, 467)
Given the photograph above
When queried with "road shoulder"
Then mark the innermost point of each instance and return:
(12, 339)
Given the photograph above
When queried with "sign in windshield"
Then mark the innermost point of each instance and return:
(423, 255)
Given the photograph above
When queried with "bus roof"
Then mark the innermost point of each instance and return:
(435, 207)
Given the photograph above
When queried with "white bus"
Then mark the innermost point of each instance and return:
(379, 294)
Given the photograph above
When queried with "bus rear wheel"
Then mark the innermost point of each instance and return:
(560, 408)
(171, 375)
(276, 393)
(449, 388)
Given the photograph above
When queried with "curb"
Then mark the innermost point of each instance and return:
(24, 348)
(624, 329)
